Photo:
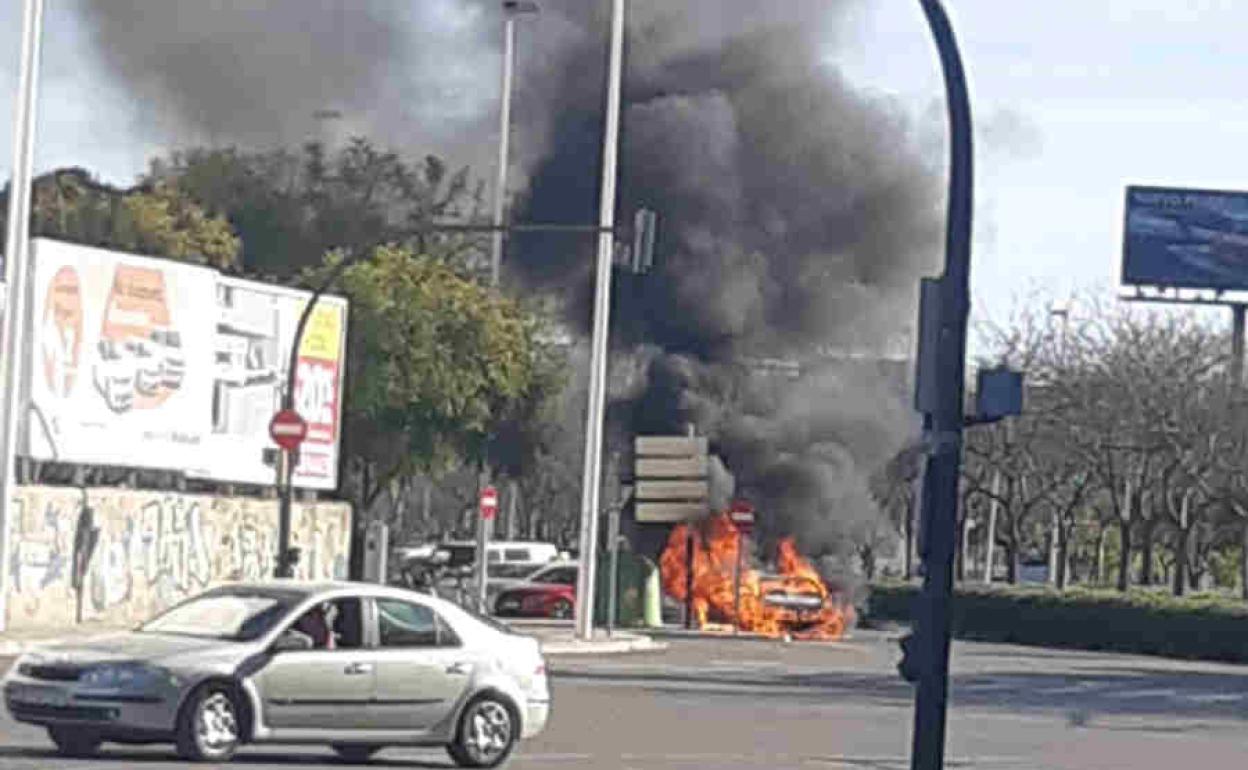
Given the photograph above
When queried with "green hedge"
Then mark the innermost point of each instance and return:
(1203, 627)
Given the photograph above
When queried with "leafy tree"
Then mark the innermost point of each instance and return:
(157, 220)
(292, 207)
(439, 365)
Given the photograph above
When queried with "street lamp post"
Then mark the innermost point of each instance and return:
(512, 9)
(598, 355)
(17, 273)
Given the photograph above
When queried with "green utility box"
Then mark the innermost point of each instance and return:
(633, 575)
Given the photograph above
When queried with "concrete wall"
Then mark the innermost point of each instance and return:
(154, 549)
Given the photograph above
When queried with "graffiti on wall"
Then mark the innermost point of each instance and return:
(153, 550)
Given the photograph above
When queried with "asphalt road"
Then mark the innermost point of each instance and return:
(744, 704)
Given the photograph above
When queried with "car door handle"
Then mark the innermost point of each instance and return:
(458, 668)
(356, 669)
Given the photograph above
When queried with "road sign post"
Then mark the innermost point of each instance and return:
(742, 515)
(487, 509)
(288, 430)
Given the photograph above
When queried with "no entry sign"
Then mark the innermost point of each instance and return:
(288, 429)
(742, 514)
(488, 502)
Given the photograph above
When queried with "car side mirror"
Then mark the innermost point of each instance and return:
(292, 641)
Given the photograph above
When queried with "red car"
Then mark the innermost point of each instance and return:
(548, 593)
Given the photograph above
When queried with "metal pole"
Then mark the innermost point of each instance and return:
(736, 582)
(285, 567)
(602, 310)
(484, 527)
(945, 420)
(690, 559)
(1237, 344)
(16, 276)
(504, 139)
(613, 577)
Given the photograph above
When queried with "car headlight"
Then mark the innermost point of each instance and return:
(125, 676)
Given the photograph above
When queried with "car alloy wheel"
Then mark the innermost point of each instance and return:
(487, 733)
(562, 609)
(74, 741)
(208, 728)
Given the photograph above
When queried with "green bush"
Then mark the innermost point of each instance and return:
(1203, 627)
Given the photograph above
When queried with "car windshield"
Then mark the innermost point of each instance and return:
(229, 615)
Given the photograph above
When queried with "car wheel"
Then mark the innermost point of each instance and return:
(562, 609)
(487, 732)
(354, 752)
(74, 742)
(208, 727)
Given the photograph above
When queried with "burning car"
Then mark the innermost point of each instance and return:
(792, 601)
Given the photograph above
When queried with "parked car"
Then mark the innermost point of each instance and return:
(359, 667)
(548, 593)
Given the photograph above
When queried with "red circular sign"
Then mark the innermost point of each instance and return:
(488, 502)
(288, 429)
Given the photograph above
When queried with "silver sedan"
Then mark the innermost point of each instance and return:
(359, 667)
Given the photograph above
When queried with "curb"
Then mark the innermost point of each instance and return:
(602, 646)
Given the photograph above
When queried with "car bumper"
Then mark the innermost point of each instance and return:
(49, 704)
(536, 715)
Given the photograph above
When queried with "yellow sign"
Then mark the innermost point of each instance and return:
(322, 339)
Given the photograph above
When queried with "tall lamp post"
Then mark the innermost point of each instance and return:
(17, 273)
(512, 9)
(598, 356)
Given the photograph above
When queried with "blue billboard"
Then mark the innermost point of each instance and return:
(1192, 239)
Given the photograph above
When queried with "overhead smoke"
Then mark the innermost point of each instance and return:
(796, 213)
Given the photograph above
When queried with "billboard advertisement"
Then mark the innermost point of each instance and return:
(255, 327)
(1180, 238)
(150, 363)
(119, 366)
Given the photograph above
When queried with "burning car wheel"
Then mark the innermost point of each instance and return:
(487, 733)
(74, 742)
(208, 727)
(561, 609)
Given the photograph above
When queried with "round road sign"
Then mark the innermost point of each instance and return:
(288, 429)
(488, 502)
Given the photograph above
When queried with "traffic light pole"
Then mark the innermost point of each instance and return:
(944, 419)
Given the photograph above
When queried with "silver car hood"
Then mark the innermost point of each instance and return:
(150, 648)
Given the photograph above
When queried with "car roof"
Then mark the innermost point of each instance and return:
(311, 589)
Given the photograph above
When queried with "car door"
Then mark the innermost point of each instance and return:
(422, 669)
(321, 688)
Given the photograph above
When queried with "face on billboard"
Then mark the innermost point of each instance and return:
(62, 333)
(1185, 238)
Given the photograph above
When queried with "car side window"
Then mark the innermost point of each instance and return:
(402, 624)
(564, 576)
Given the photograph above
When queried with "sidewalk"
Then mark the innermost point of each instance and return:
(19, 642)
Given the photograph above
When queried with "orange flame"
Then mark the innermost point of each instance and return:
(715, 562)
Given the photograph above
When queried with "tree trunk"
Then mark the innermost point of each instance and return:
(1146, 556)
(1181, 561)
(1243, 561)
(1055, 537)
(1099, 577)
(990, 539)
(1013, 563)
(909, 561)
(1063, 555)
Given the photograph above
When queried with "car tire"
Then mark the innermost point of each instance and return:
(487, 733)
(354, 752)
(209, 725)
(562, 609)
(74, 741)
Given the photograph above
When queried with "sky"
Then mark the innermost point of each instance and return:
(1074, 99)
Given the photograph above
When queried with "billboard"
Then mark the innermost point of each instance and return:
(150, 363)
(119, 367)
(1180, 238)
(255, 328)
